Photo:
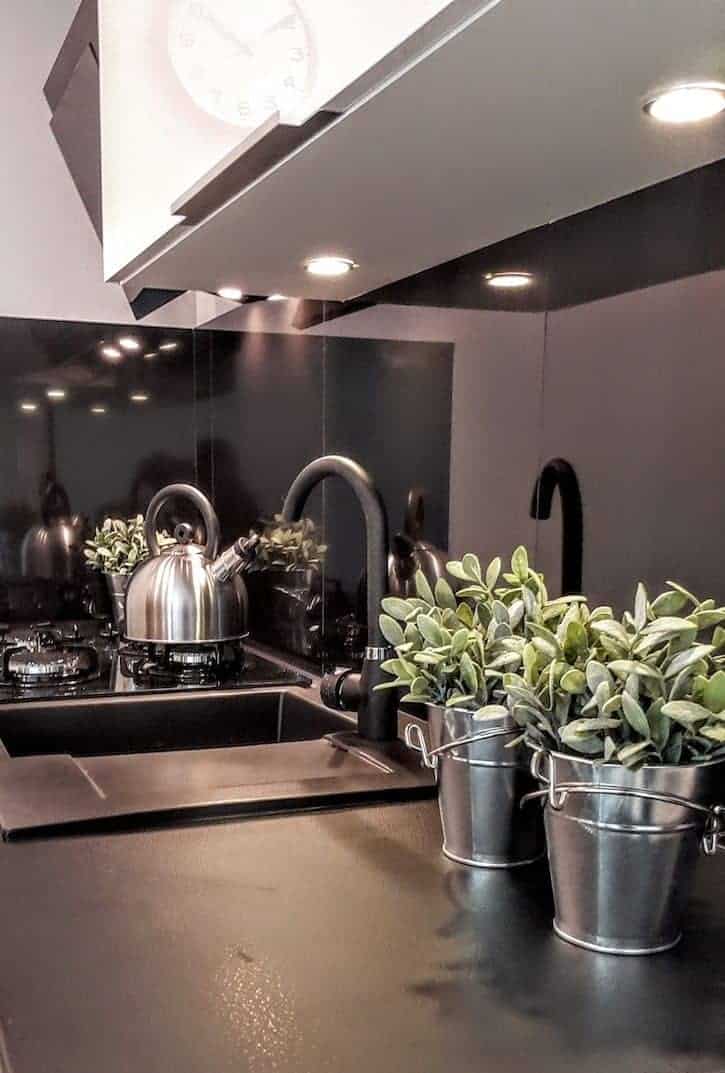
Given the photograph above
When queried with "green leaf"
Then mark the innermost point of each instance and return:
(614, 630)
(715, 733)
(444, 594)
(610, 748)
(631, 754)
(456, 699)
(472, 566)
(574, 681)
(640, 607)
(423, 589)
(597, 673)
(493, 571)
(520, 563)
(429, 630)
(396, 608)
(624, 667)
(714, 693)
(468, 673)
(391, 630)
(465, 615)
(686, 659)
(579, 727)
(491, 711)
(705, 619)
(635, 716)
(669, 603)
(458, 643)
(683, 592)
(686, 712)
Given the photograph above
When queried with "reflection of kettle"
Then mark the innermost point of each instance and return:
(54, 550)
(411, 553)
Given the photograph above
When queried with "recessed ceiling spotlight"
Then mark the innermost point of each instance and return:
(127, 342)
(234, 294)
(55, 393)
(687, 103)
(139, 396)
(168, 346)
(277, 298)
(150, 354)
(329, 266)
(111, 352)
(28, 407)
(509, 279)
(98, 410)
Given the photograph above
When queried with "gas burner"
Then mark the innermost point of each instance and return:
(181, 665)
(47, 656)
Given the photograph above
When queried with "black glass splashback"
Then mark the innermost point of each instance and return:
(96, 418)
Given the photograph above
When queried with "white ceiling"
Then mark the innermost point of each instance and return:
(531, 113)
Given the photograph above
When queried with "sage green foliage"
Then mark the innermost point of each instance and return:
(646, 688)
(455, 649)
(288, 545)
(119, 546)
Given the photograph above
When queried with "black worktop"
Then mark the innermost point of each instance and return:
(333, 941)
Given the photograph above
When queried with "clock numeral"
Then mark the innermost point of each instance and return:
(197, 9)
(297, 55)
(187, 39)
(244, 110)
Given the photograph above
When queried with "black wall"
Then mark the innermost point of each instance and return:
(237, 414)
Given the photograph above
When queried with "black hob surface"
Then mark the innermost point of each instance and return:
(116, 674)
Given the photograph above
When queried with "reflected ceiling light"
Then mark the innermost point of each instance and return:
(28, 407)
(150, 354)
(329, 266)
(127, 342)
(139, 396)
(509, 279)
(111, 352)
(55, 393)
(234, 294)
(277, 298)
(687, 103)
(168, 346)
(98, 410)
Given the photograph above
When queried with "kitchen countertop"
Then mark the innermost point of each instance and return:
(333, 941)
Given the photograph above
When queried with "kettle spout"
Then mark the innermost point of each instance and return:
(235, 559)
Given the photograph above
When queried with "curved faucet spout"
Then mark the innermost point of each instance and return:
(377, 711)
(376, 525)
(558, 473)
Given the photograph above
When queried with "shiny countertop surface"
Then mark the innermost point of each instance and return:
(333, 941)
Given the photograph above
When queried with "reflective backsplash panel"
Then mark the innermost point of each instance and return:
(97, 418)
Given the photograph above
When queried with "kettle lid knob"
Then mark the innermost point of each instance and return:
(184, 533)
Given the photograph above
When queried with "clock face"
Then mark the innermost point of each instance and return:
(239, 60)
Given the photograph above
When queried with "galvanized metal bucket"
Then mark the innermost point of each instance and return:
(481, 784)
(623, 846)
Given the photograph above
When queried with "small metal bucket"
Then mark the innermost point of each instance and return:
(481, 784)
(623, 847)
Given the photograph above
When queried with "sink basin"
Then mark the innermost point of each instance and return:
(124, 724)
(130, 759)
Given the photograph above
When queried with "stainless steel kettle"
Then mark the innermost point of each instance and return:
(187, 593)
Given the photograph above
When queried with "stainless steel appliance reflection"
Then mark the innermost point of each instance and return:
(187, 594)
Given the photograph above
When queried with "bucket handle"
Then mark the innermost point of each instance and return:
(415, 740)
(558, 793)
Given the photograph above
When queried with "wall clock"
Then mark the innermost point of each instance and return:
(239, 60)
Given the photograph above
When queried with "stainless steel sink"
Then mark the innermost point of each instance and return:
(130, 760)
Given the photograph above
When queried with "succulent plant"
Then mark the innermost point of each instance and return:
(288, 545)
(454, 649)
(119, 546)
(649, 688)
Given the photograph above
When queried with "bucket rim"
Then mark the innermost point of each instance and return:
(600, 765)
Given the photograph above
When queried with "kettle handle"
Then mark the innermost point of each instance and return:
(184, 491)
